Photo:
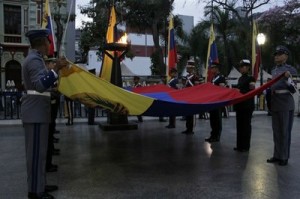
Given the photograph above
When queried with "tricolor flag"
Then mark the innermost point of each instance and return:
(256, 59)
(172, 54)
(157, 100)
(212, 54)
(107, 63)
(47, 23)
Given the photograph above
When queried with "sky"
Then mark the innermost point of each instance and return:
(182, 7)
(191, 8)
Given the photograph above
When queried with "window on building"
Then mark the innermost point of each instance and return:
(12, 23)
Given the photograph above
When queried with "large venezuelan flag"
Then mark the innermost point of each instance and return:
(107, 63)
(47, 23)
(212, 54)
(159, 100)
(172, 54)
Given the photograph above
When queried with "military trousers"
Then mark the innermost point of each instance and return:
(243, 128)
(36, 142)
(282, 122)
(215, 119)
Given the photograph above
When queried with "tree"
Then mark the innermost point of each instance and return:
(198, 42)
(150, 15)
(225, 27)
(60, 19)
(233, 28)
(281, 25)
(139, 15)
(93, 33)
(248, 5)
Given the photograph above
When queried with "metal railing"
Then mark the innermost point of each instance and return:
(10, 107)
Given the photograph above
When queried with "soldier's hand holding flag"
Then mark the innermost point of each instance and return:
(61, 62)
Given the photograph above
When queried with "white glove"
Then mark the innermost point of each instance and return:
(290, 82)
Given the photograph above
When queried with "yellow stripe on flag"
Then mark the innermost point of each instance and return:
(78, 84)
(210, 41)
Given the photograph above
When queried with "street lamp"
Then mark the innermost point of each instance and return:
(261, 39)
(1, 53)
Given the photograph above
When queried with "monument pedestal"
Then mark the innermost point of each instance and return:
(117, 122)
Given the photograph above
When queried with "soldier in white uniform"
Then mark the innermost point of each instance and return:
(283, 105)
(36, 112)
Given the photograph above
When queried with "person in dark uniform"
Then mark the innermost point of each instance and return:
(173, 82)
(136, 84)
(55, 95)
(244, 109)
(163, 80)
(36, 111)
(91, 111)
(69, 110)
(283, 106)
(191, 80)
(215, 116)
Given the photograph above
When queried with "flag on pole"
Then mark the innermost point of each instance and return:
(172, 54)
(47, 24)
(107, 62)
(256, 59)
(212, 54)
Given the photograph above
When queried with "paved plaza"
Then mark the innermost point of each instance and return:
(155, 162)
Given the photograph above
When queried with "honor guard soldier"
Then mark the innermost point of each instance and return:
(244, 109)
(91, 111)
(283, 106)
(136, 84)
(173, 82)
(215, 116)
(36, 113)
(55, 96)
(191, 79)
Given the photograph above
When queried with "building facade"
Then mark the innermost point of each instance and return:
(16, 18)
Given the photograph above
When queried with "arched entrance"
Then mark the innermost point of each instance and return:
(13, 71)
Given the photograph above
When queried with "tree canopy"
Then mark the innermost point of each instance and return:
(233, 29)
(281, 26)
(139, 15)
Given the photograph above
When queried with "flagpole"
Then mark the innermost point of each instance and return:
(62, 47)
(209, 41)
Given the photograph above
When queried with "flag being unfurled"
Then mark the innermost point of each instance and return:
(158, 100)
(172, 54)
(107, 63)
(256, 59)
(212, 54)
(47, 23)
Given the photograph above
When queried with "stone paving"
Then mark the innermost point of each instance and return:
(155, 162)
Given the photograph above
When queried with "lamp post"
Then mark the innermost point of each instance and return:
(1, 53)
(261, 39)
